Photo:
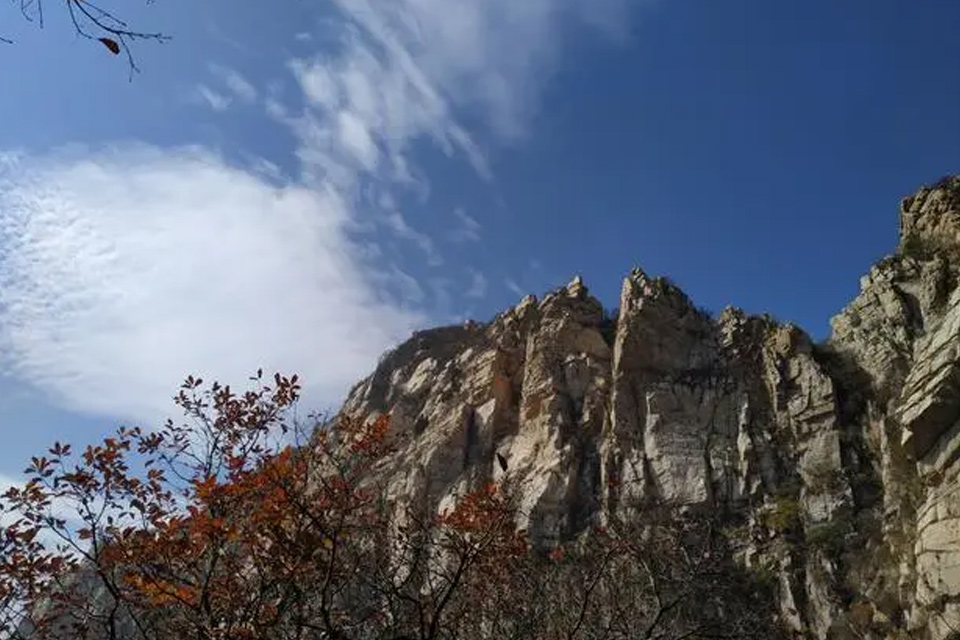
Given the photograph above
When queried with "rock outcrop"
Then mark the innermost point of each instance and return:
(835, 465)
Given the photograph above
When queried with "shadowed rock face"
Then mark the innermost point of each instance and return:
(857, 438)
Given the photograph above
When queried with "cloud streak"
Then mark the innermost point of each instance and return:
(399, 227)
(491, 57)
(406, 70)
(515, 288)
(238, 85)
(211, 98)
(469, 229)
(478, 285)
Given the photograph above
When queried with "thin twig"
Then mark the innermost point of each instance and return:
(94, 23)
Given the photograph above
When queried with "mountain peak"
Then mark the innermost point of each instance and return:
(833, 463)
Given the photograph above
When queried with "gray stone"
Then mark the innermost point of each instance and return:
(738, 414)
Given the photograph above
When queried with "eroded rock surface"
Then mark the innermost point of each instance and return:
(835, 464)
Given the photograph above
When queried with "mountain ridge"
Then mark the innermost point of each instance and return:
(857, 438)
(832, 469)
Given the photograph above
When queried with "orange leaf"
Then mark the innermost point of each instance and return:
(111, 44)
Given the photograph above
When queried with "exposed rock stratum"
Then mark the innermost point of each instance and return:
(835, 464)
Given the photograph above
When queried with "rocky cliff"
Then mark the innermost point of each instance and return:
(834, 465)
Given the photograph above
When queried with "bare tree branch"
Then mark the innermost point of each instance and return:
(93, 22)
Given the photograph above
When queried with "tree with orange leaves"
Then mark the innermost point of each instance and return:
(218, 531)
(225, 536)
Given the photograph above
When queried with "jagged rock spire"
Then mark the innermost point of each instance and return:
(576, 288)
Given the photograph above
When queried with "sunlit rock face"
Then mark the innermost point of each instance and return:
(857, 439)
(832, 467)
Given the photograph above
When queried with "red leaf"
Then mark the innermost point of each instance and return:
(111, 44)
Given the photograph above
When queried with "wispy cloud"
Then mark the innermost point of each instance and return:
(406, 70)
(491, 57)
(123, 271)
(233, 87)
(235, 83)
(361, 116)
(409, 71)
(468, 229)
(410, 292)
(478, 285)
(213, 99)
(514, 287)
(398, 225)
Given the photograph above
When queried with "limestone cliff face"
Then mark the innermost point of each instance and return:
(835, 465)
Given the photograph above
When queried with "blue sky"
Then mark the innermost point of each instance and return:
(298, 185)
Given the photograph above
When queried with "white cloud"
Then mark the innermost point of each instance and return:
(276, 109)
(395, 221)
(238, 85)
(514, 287)
(411, 293)
(406, 69)
(214, 100)
(120, 272)
(478, 285)
(357, 140)
(124, 271)
(490, 56)
(469, 229)
(362, 113)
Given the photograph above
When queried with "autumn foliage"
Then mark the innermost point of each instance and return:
(214, 529)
